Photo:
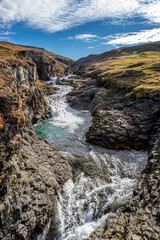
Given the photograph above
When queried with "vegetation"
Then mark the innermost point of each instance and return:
(2, 177)
(38, 82)
(138, 73)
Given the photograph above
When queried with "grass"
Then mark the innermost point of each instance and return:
(139, 73)
(38, 82)
(2, 176)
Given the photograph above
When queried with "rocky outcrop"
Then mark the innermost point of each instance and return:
(46, 66)
(124, 121)
(31, 171)
(32, 175)
(63, 60)
(120, 120)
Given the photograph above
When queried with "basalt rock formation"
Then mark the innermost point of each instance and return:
(31, 171)
(123, 97)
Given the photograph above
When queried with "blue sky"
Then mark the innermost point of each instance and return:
(77, 28)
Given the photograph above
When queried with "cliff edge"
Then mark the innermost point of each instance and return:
(31, 171)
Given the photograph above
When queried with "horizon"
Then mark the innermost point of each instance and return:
(76, 29)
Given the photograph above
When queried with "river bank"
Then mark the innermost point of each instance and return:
(123, 120)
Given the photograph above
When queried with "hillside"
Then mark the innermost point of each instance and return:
(132, 68)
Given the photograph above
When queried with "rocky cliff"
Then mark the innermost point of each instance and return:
(123, 97)
(48, 64)
(31, 171)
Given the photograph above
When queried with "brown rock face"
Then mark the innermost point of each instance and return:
(31, 171)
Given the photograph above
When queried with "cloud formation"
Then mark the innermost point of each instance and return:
(4, 35)
(53, 16)
(134, 37)
(84, 37)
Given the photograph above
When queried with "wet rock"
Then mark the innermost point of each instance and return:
(121, 121)
(48, 88)
(33, 195)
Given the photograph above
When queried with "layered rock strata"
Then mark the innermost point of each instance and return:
(31, 171)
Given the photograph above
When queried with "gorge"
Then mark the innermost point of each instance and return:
(80, 187)
(102, 180)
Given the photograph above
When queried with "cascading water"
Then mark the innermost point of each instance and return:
(104, 179)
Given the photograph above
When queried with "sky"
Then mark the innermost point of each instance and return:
(77, 28)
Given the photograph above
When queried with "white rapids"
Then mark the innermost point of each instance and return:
(104, 180)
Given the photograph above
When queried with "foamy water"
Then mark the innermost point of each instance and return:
(104, 181)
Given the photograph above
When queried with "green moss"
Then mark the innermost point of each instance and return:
(3, 176)
(121, 237)
(16, 185)
(150, 208)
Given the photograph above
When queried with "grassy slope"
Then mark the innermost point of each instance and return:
(138, 73)
(135, 69)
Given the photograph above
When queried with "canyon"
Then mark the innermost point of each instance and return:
(121, 90)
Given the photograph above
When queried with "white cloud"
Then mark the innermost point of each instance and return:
(134, 37)
(90, 47)
(6, 33)
(53, 16)
(84, 37)
(4, 38)
(151, 10)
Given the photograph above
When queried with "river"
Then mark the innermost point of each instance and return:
(103, 180)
